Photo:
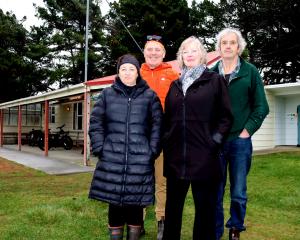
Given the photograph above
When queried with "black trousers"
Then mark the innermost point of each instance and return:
(205, 197)
(119, 216)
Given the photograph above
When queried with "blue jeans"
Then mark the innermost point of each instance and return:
(236, 155)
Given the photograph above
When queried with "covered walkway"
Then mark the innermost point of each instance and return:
(61, 161)
(58, 162)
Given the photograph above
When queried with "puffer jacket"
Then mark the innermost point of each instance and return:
(196, 126)
(125, 132)
(159, 79)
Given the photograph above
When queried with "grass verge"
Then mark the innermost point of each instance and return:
(34, 205)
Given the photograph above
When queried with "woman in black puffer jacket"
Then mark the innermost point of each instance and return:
(125, 132)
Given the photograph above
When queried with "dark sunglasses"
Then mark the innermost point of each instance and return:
(154, 38)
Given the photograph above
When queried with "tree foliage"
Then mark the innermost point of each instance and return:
(52, 55)
(166, 18)
(20, 75)
(271, 29)
(63, 33)
(206, 19)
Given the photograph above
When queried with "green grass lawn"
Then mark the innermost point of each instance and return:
(37, 206)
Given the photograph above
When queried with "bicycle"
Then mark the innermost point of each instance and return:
(59, 139)
(34, 136)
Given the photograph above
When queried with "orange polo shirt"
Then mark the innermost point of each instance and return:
(159, 79)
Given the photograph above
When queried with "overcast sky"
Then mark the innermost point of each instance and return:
(23, 8)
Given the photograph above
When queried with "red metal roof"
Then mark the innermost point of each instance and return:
(212, 57)
(101, 81)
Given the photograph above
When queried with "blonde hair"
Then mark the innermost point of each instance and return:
(241, 41)
(199, 46)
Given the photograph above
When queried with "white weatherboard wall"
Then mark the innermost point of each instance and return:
(280, 130)
(64, 115)
(286, 120)
(286, 100)
(290, 117)
(265, 137)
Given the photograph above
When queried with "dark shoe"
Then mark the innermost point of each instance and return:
(143, 231)
(160, 229)
(234, 234)
(116, 233)
(133, 232)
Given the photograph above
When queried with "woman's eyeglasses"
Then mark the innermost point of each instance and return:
(154, 38)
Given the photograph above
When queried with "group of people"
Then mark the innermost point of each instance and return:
(202, 119)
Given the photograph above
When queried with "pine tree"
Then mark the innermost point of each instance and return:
(271, 29)
(64, 33)
(166, 18)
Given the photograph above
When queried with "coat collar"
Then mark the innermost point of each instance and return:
(244, 71)
(205, 76)
(162, 66)
(140, 87)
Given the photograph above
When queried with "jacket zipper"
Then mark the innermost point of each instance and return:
(126, 146)
(184, 139)
(154, 80)
(184, 133)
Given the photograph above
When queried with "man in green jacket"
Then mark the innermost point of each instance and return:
(249, 108)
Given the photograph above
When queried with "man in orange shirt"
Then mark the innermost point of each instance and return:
(159, 76)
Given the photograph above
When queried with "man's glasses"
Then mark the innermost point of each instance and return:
(154, 38)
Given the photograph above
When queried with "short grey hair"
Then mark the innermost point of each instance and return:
(241, 41)
(199, 46)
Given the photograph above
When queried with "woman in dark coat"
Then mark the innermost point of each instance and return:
(125, 132)
(197, 117)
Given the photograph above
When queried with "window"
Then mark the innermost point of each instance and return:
(11, 116)
(77, 116)
(31, 115)
(52, 114)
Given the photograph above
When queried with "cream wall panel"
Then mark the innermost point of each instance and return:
(265, 137)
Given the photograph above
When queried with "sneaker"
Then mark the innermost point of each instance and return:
(234, 234)
(160, 229)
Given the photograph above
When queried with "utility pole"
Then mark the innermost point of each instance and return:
(86, 140)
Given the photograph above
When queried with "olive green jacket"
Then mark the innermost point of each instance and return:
(248, 100)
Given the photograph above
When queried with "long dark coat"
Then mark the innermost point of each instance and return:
(125, 132)
(195, 127)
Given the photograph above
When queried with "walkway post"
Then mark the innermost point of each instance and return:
(19, 127)
(46, 128)
(1, 127)
(86, 145)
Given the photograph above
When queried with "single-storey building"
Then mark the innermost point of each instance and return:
(282, 126)
(71, 106)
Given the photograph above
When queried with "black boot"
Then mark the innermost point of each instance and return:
(234, 234)
(143, 231)
(116, 233)
(160, 229)
(133, 232)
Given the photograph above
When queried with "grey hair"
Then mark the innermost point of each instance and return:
(199, 46)
(241, 41)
